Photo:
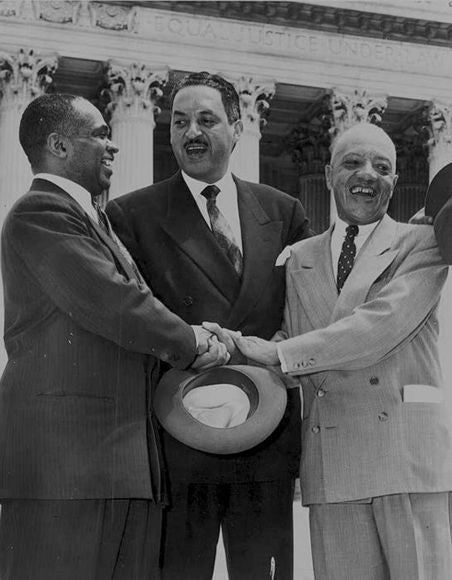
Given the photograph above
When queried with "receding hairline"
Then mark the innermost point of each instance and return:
(364, 130)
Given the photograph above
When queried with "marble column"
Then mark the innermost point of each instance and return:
(440, 154)
(23, 76)
(440, 142)
(134, 90)
(254, 102)
(349, 107)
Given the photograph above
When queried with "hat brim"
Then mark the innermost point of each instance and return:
(266, 392)
(439, 191)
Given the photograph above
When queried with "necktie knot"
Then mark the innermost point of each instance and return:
(351, 231)
(210, 192)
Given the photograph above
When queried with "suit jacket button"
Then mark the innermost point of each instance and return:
(187, 301)
(321, 393)
(383, 416)
(374, 380)
(316, 429)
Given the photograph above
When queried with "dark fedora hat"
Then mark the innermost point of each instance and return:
(439, 191)
(264, 391)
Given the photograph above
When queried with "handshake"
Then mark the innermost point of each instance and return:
(217, 346)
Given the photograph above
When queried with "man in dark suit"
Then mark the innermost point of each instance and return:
(79, 467)
(210, 253)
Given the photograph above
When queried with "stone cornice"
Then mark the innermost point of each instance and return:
(315, 17)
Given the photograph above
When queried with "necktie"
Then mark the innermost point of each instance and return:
(105, 226)
(221, 229)
(347, 256)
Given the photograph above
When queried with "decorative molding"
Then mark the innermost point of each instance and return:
(255, 99)
(134, 89)
(80, 13)
(25, 75)
(440, 117)
(351, 107)
(315, 17)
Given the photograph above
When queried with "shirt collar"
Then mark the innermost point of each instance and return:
(364, 230)
(196, 187)
(81, 195)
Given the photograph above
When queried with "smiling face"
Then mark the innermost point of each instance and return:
(201, 136)
(362, 174)
(91, 152)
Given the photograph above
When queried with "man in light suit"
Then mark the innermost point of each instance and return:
(80, 478)
(360, 332)
(169, 231)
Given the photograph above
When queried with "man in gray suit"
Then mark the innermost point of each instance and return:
(360, 332)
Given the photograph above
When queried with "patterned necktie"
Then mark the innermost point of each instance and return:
(221, 229)
(347, 256)
(105, 226)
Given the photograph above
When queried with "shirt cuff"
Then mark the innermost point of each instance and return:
(281, 357)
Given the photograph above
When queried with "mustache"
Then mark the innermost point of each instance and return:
(195, 141)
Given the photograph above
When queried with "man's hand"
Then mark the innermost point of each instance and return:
(224, 335)
(216, 355)
(257, 349)
(202, 339)
(419, 218)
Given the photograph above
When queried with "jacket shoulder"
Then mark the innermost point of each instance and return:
(151, 194)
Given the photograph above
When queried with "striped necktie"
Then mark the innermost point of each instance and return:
(105, 226)
(347, 256)
(222, 230)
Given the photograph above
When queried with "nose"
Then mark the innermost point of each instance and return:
(112, 147)
(193, 130)
(368, 170)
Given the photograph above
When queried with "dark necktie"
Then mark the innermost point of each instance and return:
(105, 226)
(347, 256)
(221, 229)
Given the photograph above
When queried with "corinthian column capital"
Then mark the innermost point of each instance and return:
(25, 75)
(349, 107)
(134, 89)
(255, 96)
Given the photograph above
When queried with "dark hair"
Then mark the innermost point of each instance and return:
(47, 114)
(229, 95)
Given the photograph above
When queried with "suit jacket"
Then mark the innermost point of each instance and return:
(356, 353)
(83, 338)
(179, 258)
(443, 231)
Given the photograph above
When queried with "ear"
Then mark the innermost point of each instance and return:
(238, 130)
(328, 170)
(57, 145)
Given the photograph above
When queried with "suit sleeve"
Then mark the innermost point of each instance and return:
(443, 231)
(79, 275)
(299, 225)
(376, 328)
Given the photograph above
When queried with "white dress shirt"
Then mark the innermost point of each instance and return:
(226, 202)
(81, 195)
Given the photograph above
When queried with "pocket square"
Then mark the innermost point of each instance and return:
(283, 256)
(422, 394)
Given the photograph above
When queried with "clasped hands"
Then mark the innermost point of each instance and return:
(217, 346)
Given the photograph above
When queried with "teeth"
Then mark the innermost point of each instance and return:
(107, 162)
(364, 190)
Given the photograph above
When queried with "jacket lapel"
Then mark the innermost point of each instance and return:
(50, 187)
(185, 224)
(261, 245)
(373, 258)
(314, 280)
